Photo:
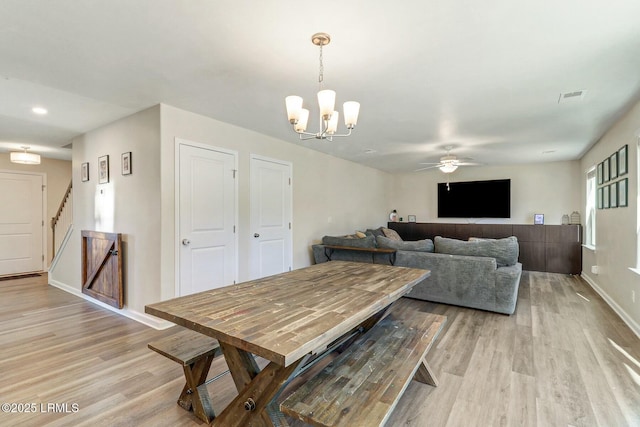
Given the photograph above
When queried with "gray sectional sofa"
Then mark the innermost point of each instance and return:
(479, 273)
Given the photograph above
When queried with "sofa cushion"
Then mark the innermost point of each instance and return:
(374, 232)
(391, 234)
(367, 242)
(425, 245)
(505, 251)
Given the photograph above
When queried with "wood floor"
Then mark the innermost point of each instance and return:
(563, 359)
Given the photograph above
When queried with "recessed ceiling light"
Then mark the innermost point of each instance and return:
(39, 110)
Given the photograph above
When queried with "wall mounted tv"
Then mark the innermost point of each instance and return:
(475, 199)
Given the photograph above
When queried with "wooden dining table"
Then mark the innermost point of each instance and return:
(290, 319)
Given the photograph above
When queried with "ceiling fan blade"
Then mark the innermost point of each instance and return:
(428, 167)
(469, 164)
(430, 163)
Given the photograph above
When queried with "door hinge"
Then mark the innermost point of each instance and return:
(43, 222)
(289, 181)
(234, 173)
(42, 257)
(289, 226)
(234, 228)
(43, 187)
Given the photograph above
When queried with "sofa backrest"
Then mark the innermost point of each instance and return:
(505, 251)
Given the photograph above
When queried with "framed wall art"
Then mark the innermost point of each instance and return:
(126, 163)
(622, 161)
(600, 174)
(538, 219)
(623, 193)
(411, 218)
(103, 170)
(605, 197)
(613, 195)
(613, 166)
(84, 172)
(605, 170)
(599, 198)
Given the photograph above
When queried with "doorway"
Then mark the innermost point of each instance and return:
(206, 217)
(271, 217)
(22, 237)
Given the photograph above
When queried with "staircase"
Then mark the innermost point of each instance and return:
(62, 221)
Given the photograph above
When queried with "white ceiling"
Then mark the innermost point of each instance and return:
(427, 73)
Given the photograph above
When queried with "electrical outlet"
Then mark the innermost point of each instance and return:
(595, 269)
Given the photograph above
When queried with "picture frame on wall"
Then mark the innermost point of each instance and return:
(613, 195)
(103, 169)
(599, 198)
(622, 161)
(605, 197)
(613, 166)
(605, 170)
(411, 218)
(126, 163)
(84, 172)
(600, 172)
(623, 193)
(538, 219)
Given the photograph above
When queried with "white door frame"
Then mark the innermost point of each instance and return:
(280, 162)
(45, 229)
(176, 238)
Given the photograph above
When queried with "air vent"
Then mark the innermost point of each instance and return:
(577, 95)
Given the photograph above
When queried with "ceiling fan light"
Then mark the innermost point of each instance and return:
(448, 168)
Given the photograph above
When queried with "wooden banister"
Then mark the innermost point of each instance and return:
(56, 218)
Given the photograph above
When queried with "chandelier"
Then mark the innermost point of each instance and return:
(24, 158)
(298, 116)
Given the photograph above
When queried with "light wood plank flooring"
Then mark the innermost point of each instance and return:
(563, 359)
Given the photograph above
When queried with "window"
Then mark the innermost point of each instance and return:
(590, 227)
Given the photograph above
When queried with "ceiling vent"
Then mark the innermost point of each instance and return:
(577, 95)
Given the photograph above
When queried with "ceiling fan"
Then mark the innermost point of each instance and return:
(448, 163)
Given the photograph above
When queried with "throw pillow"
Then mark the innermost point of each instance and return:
(367, 242)
(425, 245)
(505, 251)
(391, 234)
(375, 233)
(360, 235)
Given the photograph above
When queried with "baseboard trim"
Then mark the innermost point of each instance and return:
(143, 318)
(614, 305)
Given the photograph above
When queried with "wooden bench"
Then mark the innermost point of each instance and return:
(195, 352)
(362, 386)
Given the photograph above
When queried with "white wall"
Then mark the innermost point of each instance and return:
(324, 187)
(616, 229)
(551, 189)
(128, 204)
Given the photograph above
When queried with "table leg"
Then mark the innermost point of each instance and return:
(194, 396)
(249, 408)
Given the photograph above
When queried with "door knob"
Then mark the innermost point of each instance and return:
(186, 242)
(256, 235)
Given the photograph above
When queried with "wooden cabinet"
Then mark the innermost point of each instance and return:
(551, 248)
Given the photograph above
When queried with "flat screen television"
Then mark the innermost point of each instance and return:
(475, 199)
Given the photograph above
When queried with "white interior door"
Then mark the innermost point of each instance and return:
(21, 223)
(206, 217)
(271, 217)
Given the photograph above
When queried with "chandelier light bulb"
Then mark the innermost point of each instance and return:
(327, 103)
(301, 124)
(332, 127)
(351, 110)
(294, 106)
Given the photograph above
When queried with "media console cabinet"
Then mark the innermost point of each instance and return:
(550, 248)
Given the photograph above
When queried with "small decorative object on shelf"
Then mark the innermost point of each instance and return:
(412, 218)
(565, 219)
(575, 218)
(538, 219)
(393, 216)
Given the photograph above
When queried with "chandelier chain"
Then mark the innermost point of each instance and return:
(321, 75)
